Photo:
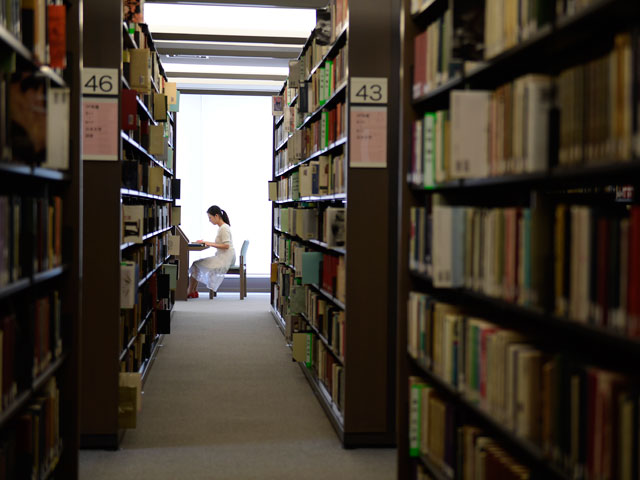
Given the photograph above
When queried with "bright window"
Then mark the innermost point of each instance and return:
(224, 155)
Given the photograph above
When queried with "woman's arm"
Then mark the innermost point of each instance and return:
(220, 246)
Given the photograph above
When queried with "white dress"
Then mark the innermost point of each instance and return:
(211, 270)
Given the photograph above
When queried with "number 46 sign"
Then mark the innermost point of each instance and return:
(100, 81)
(368, 90)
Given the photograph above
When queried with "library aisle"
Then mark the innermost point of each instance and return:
(225, 401)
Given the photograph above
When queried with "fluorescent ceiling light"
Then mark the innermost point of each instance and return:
(161, 43)
(187, 68)
(227, 87)
(222, 81)
(224, 20)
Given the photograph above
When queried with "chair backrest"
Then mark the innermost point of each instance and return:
(243, 251)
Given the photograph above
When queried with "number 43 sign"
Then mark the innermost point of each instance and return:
(368, 90)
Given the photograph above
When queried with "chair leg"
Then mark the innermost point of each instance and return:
(241, 283)
(244, 277)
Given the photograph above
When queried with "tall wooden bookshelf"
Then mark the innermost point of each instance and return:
(571, 321)
(40, 207)
(120, 337)
(351, 352)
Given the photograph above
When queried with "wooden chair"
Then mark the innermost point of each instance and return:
(239, 269)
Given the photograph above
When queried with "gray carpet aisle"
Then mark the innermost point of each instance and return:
(224, 401)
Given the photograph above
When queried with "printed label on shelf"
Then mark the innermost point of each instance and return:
(100, 129)
(368, 140)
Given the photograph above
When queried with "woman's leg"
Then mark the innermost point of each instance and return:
(193, 285)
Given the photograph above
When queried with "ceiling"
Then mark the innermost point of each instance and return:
(239, 47)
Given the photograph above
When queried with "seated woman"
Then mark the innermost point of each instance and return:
(211, 270)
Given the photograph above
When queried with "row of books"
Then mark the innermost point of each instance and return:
(31, 447)
(508, 22)
(30, 235)
(485, 133)
(138, 262)
(327, 225)
(155, 138)
(280, 134)
(34, 121)
(31, 338)
(156, 104)
(496, 251)
(596, 265)
(500, 253)
(581, 417)
(432, 63)
(323, 83)
(324, 175)
(153, 302)
(312, 267)
(329, 320)
(597, 112)
(327, 271)
(40, 25)
(141, 219)
(508, 130)
(339, 10)
(566, 8)
(140, 350)
(459, 449)
(327, 129)
(148, 67)
(283, 284)
(328, 371)
(144, 176)
(314, 93)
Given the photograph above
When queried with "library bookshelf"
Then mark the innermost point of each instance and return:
(320, 298)
(517, 300)
(130, 212)
(40, 241)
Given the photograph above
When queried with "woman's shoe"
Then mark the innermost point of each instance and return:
(193, 295)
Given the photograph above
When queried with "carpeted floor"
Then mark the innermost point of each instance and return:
(224, 401)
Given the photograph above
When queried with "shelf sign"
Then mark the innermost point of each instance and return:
(100, 129)
(368, 90)
(100, 81)
(368, 137)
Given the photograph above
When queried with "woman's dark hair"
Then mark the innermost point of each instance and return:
(216, 210)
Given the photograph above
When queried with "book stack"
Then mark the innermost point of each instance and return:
(518, 241)
(310, 227)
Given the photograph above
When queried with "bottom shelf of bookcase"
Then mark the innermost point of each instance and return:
(525, 451)
(279, 320)
(348, 439)
(146, 366)
(434, 469)
(335, 417)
